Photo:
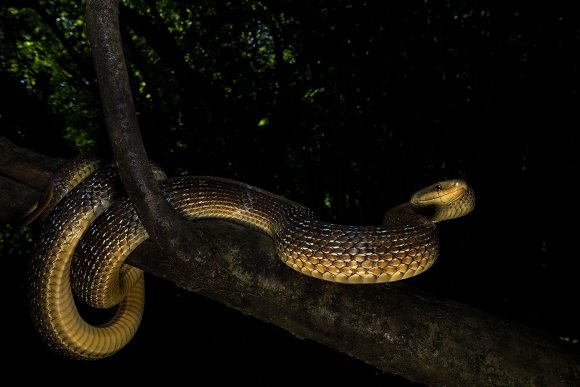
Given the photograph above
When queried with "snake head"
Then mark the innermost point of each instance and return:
(444, 200)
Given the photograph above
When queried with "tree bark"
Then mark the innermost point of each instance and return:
(394, 327)
(163, 224)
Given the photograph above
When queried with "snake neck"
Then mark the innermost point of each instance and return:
(404, 215)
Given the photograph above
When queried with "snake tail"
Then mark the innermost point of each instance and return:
(52, 305)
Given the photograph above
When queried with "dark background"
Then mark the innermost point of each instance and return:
(346, 107)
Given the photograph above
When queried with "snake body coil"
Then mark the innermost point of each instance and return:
(404, 246)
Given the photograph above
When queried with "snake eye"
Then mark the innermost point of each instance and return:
(438, 187)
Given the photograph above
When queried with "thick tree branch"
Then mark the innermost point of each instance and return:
(163, 224)
(395, 328)
(23, 174)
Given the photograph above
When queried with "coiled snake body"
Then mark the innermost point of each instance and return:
(404, 246)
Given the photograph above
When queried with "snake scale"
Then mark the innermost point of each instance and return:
(88, 232)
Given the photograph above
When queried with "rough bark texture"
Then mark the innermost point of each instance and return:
(164, 226)
(394, 327)
(23, 174)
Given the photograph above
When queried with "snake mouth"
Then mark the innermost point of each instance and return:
(452, 194)
(441, 193)
(444, 200)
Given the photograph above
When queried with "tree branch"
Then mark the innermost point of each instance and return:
(162, 223)
(23, 174)
(396, 328)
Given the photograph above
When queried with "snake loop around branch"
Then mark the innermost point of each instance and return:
(405, 245)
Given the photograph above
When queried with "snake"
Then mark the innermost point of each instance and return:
(89, 228)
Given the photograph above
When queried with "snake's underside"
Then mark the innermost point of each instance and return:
(404, 246)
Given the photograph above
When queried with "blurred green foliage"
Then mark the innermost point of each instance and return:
(15, 242)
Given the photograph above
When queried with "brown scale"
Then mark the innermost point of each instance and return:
(404, 246)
